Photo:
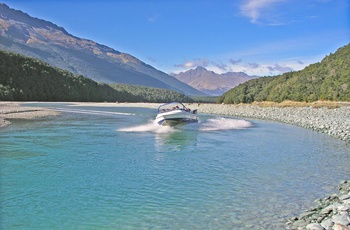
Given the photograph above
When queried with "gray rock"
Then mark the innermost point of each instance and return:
(305, 215)
(340, 227)
(314, 226)
(299, 224)
(344, 208)
(332, 212)
(342, 218)
(327, 224)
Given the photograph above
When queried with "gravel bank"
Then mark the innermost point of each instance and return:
(334, 122)
(13, 110)
(332, 212)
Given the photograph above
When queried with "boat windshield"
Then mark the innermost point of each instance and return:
(171, 106)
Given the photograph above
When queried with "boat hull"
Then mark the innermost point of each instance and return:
(176, 117)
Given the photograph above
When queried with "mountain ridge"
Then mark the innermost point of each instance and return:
(210, 82)
(37, 38)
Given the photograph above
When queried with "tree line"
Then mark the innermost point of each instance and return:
(149, 94)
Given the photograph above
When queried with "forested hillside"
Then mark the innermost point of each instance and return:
(28, 79)
(327, 80)
(149, 94)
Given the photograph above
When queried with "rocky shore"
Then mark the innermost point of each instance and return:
(331, 213)
(331, 121)
(13, 110)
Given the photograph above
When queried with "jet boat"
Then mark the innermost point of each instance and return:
(175, 113)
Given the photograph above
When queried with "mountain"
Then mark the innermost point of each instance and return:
(37, 38)
(325, 80)
(210, 82)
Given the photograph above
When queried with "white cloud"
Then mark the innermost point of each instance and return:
(193, 63)
(268, 69)
(254, 9)
(250, 68)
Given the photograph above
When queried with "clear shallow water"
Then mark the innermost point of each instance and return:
(103, 167)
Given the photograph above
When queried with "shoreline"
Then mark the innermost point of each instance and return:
(331, 212)
(14, 110)
(332, 121)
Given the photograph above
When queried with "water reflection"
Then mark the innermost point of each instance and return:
(177, 140)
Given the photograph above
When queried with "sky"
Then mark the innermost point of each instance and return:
(258, 37)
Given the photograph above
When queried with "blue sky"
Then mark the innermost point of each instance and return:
(259, 37)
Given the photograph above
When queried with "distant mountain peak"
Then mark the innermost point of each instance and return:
(210, 82)
(201, 68)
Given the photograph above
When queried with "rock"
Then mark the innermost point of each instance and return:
(342, 218)
(314, 226)
(299, 224)
(3, 122)
(344, 197)
(340, 227)
(344, 208)
(305, 215)
(327, 224)
(332, 212)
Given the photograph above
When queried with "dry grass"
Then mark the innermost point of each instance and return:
(316, 104)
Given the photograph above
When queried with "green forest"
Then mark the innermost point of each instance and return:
(326, 80)
(27, 79)
(149, 94)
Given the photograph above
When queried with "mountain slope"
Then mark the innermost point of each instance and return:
(46, 41)
(27, 79)
(326, 80)
(210, 82)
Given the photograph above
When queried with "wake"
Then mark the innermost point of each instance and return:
(213, 124)
(221, 123)
(151, 127)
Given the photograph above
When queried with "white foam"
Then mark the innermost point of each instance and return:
(221, 123)
(149, 127)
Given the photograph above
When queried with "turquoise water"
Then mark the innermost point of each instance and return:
(111, 168)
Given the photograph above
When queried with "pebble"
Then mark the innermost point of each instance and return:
(330, 121)
(332, 212)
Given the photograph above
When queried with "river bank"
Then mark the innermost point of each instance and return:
(331, 212)
(13, 110)
(333, 121)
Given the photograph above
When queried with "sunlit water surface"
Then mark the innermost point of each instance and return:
(110, 167)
